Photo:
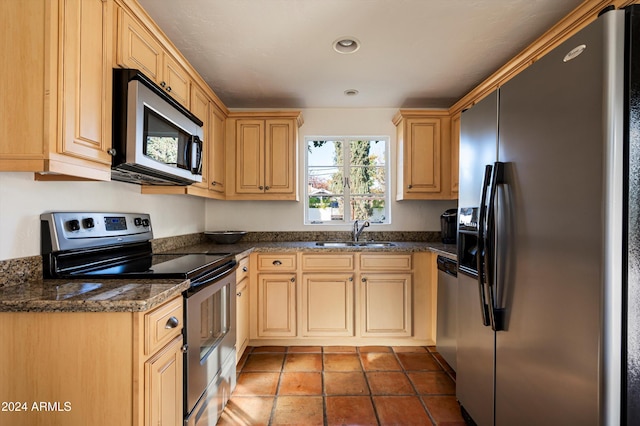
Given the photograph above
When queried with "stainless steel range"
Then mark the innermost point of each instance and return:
(118, 245)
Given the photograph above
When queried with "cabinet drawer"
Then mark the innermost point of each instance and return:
(162, 325)
(243, 269)
(327, 262)
(277, 262)
(385, 262)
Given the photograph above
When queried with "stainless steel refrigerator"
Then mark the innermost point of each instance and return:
(549, 238)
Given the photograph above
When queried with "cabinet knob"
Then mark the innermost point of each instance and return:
(112, 152)
(162, 84)
(245, 269)
(214, 183)
(261, 187)
(364, 279)
(350, 278)
(409, 186)
(169, 89)
(184, 348)
(293, 279)
(239, 294)
(172, 323)
(277, 263)
(266, 188)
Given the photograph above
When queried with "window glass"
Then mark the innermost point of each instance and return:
(346, 172)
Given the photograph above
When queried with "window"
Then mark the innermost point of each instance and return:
(346, 180)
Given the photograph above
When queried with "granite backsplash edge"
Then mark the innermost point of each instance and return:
(28, 269)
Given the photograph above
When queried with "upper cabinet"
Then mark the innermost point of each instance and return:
(57, 114)
(262, 152)
(137, 48)
(424, 155)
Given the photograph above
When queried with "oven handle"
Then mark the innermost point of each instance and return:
(205, 280)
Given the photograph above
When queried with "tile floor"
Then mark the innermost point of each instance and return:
(338, 385)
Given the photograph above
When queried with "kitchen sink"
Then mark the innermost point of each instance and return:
(354, 244)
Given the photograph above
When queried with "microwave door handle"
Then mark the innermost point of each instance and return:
(196, 155)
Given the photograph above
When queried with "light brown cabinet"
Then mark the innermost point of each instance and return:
(200, 108)
(276, 300)
(107, 367)
(455, 153)
(262, 156)
(350, 298)
(57, 114)
(242, 307)
(137, 48)
(217, 144)
(424, 155)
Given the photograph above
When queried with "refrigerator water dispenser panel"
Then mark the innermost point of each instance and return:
(468, 241)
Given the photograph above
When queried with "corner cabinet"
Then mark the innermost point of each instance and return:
(262, 154)
(57, 114)
(93, 368)
(424, 155)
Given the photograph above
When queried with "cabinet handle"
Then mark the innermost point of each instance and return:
(162, 84)
(266, 188)
(293, 279)
(245, 269)
(277, 263)
(239, 294)
(172, 323)
(364, 279)
(169, 89)
(409, 186)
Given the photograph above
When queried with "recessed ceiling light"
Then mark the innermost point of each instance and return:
(351, 92)
(346, 45)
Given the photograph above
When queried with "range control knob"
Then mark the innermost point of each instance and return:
(88, 222)
(145, 222)
(73, 225)
(137, 221)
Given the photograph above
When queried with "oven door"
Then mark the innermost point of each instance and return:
(210, 359)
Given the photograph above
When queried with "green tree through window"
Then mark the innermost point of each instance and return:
(346, 180)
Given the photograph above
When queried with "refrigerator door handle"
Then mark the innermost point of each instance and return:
(496, 313)
(484, 307)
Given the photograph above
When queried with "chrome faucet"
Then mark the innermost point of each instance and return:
(358, 230)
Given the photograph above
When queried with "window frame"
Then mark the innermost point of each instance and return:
(345, 140)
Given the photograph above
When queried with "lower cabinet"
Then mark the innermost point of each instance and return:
(385, 301)
(92, 368)
(327, 304)
(242, 307)
(342, 298)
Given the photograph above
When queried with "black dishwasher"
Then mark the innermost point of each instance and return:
(447, 322)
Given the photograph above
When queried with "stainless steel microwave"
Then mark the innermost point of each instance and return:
(156, 141)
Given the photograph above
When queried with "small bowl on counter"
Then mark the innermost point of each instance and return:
(225, 237)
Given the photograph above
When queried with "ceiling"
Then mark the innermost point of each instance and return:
(413, 53)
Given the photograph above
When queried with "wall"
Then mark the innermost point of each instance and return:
(289, 215)
(22, 200)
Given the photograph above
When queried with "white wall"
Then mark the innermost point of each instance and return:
(22, 200)
(289, 215)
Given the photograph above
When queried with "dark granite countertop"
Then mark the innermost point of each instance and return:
(242, 249)
(38, 295)
(89, 296)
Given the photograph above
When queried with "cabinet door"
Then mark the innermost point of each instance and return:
(137, 48)
(249, 156)
(280, 157)
(163, 386)
(385, 304)
(217, 151)
(242, 317)
(176, 81)
(327, 305)
(422, 155)
(85, 67)
(200, 108)
(276, 305)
